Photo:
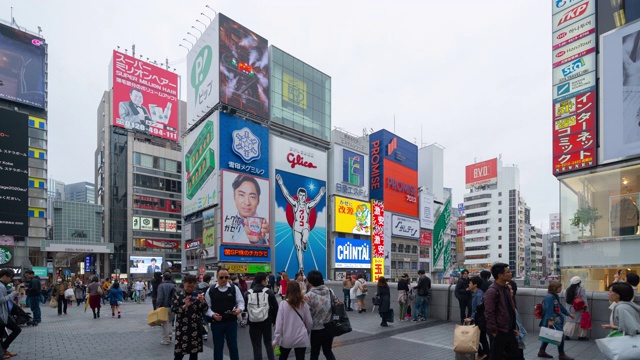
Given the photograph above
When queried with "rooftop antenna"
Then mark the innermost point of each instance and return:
(394, 123)
(39, 31)
(133, 50)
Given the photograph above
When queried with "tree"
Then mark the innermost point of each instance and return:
(586, 215)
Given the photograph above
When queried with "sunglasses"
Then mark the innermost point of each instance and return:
(223, 277)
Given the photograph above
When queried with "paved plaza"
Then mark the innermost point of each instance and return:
(78, 336)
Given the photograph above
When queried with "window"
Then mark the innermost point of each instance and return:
(499, 255)
(499, 246)
(500, 194)
(414, 250)
(499, 211)
(499, 237)
(401, 248)
(393, 247)
(400, 265)
(414, 266)
(499, 228)
(407, 249)
(499, 219)
(393, 264)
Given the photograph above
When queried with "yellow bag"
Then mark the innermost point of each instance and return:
(466, 339)
(158, 316)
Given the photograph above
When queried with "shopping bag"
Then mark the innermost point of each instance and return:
(53, 303)
(390, 316)
(158, 316)
(585, 320)
(550, 335)
(620, 347)
(466, 339)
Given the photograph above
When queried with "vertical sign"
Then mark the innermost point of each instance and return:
(444, 215)
(377, 269)
(14, 177)
(426, 211)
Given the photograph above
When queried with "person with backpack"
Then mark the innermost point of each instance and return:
(293, 324)
(262, 310)
(320, 298)
(553, 313)
(225, 304)
(361, 293)
(486, 282)
(115, 298)
(477, 314)
(576, 298)
(166, 291)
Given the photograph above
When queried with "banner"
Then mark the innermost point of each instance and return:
(208, 233)
(405, 227)
(201, 167)
(444, 216)
(377, 236)
(426, 211)
(245, 210)
(352, 253)
(425, 238)
(377, 269)
(352, 216)
(14, 177)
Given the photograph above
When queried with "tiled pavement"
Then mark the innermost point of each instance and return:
(78, 336)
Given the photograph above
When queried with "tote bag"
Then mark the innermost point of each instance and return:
(466, 339)
(550, 335)
(585, 320)
(620, 347)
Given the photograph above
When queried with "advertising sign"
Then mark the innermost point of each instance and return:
(202, 74)
(387, 242)
(573, 14)
(426, 238)
(574, 50)
(461, 228)
(377, 269)
(574, 142)
(350, 173)
(14, 168)
(244, 146)
(560, 5)
(575, 87)
(446, 257)
(426, 211)
(352, 216)
(482, 173)
(5, 255)
(377, 236)
(444, 215)
(294, 90)
(244, 254)
(144, 264)
(351, 253)
(23, 67)
(300, 206)
(201, 166)
(397, 186)
(357, 144)
(389, 146)
(245, 209)
(173, 245)
(575, 31)
(554, 223)
(137, 83)
(574, 69)
(405, 227)
(208, 232)
(244, 68)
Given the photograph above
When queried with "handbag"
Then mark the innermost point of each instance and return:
(578, 304)
(339, 323)
(466, 339)
(585, 320)
(53, 303)
(100, 291)
(390, 316)
(620, 347)
(550, 335)
(376, 300)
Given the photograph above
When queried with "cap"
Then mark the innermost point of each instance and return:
(576, 280)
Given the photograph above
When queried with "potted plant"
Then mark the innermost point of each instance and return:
(586, 215)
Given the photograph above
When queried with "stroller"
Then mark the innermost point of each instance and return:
(21, 317)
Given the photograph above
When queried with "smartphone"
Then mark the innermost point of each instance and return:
(619, 272)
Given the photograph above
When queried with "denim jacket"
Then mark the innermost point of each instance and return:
(548, 312)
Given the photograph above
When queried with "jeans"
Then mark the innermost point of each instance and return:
(284, 353)
(15, 331)
(34, 303)
(421, 304)
(225, 330)
(321, 339)
(62, 303)
(465, 309)
(139, 295)
(166, 328)
(403, 309)
(260, 332)
(347, 298)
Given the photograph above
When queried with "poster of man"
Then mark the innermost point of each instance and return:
(245, 210)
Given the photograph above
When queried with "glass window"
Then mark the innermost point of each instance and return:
(146, 160)
(400, 265)
(393, 247)
(393, 264)
(407, 249)
(400, 248)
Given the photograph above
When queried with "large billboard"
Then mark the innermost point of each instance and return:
(245, 209)
(574, 133)
(482, 173)
(200, 166)
(145, 97)
(14, 173)
(208, 233)
(350, 175)
(351, 253)
(396, 185)
(352, 216)
(405, 227)
(244, 146)
(22, 69)
(394, 148)
(443, 213)
(300, 210)
(144, 264)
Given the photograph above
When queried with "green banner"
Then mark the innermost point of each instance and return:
(439, 229)
(40, 271)
(256, 268)
(446, 259)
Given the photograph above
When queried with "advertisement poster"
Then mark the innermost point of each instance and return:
(405, 227)
(352, 216)
(482, 173)
(351, 253)
(443, 215)
(574, 141)
(350, 175)
(426, 211)
(208, 232)
(145, 97)
(245, 210)
(244, 68)
(201, 167)
(377, 269)
(144, 264)
(14, 177)
(244, 254)
(377, 237)
(244, 146)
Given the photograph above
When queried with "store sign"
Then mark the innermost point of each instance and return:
(192, 244)
(237, 268)
(244, 254)
(77, 248)
(574, 142)
(5, 255)
(574, 87)
(88, 263)
(560, 5)
(461, 229)
(573, 14)
(162, 244)
(389, 146)
(575, 31)
(426, 238)
(352, 216)
(377, 236)
(554, 223)
(482, 173)
(426, 211)
(244, 146)
(146, 223)
(405, 227)
(574, 69)
(352, 253)
(377, 269)
(574, 50)
(256, 268)
(14, 167)
(349, 141)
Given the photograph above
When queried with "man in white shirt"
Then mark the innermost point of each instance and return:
(225, 304)
(139, 287)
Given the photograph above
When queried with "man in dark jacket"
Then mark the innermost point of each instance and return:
(500, 314)
(261, 330)
(422, 298)
(463, 296)
(33, 295)
(485, 275)
(165, 297)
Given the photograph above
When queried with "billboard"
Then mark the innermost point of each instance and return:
(144, 264)
(377, 269)
(398, 188)
(482, 173)
(461, 228)
(426, 211)
(14, 173)
(300, 206)
(426, 238)
(245, 209)
(352, 216)
(244, 146)
(350, 175)
(443, 213)
(244, 254)
(377, 235)
(351, 253)
(574, 134)
(389, 146)
(208, 233)
(554, 223)
(137, 83)
(200, 166)
(405, 227)
(22, 69)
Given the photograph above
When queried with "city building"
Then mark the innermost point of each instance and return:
(81, 192)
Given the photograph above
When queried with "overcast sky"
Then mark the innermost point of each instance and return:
(473, 76)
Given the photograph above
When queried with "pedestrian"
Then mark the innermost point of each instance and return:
(262, 310)
(486, 282)
(319, 299)
(202, 287)
(293, 324)
(189, 306)
(78, 292)
(166, 291)
(58, 294)
(272, 282)
(8, 322)
(115, 298)
(572, 326)
(106, 285)
(225, 304)
(422, 297)
(242, 284)
(347, 284)
(33, 295)
(625, 316)
(475, 286)
(384, 294)
(403, 295)
(553, 313)
(95, 294)
(140, 287)
(361, 293)
(500, 314)
(284, 281)
(157, 280)
(300, 279)
(463, 296)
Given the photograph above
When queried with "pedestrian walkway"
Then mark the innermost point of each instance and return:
(77, 334)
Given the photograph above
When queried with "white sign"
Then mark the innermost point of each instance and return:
(574, 50)
(573, 14)
(573, 32)
(574, 69)
(146, 223)
(350, 176)
(77, 248)
(358, 144)
(297, 158)
(136, 223)
(426, 211)
(203, 86)
(560, 5)
(574, 87)
(402, 226)
(201, 166)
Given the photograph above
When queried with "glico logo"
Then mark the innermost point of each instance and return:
(573, 67)
(352, 168)
(375, 165)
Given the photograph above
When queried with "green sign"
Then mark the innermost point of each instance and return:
(5, 255)
(256, 268)
(40, 271)
(446, 258)
(439, 228)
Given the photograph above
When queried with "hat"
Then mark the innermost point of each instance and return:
(575, 280)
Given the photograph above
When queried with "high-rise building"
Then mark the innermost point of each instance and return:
(81, 192)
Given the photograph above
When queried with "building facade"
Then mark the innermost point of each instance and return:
(81, 192)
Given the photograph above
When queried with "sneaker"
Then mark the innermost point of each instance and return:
(423, 319)
(164, 342)
(414, 320)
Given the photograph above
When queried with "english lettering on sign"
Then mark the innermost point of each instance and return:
(298, 160)
(375, 165)
(399, 185)
(350, 252)
(483, 171)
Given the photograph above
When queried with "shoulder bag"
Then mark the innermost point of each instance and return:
(339, 323)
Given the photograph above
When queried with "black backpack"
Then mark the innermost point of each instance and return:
(479, 318)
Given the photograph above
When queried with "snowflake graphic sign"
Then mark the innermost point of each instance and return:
(246, 144)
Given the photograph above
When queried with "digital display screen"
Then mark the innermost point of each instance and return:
(144, 264)
(14, 177)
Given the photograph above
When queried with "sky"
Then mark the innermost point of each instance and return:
(473, 76)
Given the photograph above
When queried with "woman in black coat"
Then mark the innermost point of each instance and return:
(385, 300)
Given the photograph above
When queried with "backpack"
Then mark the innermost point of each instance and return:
(479, 318)
(258, 305)
(363, 288)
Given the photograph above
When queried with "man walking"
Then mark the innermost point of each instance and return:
(202, 288)
(500, 314)
(8, 323)
(262, 308)
(423, 287)
(225, 304)
(347, 284)
(33, 295)
(139, 287)
(463, 296)
(165, 297)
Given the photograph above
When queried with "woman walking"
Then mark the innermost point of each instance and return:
(361, 293)
(553, 318)
(576, 299)
(189, 306)
(301, 283)
(319, 298)
(385, 300)
(115, 299)
(95, 293)
(78, 291)
(283, 284)
(293, 323)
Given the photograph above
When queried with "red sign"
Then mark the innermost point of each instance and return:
(426, 238)
(482, 173)
(377, 235)
(145, 97)
(192, 244)
(461, 228)
(294, 160)
(574, 136)
(574, 13)
(400, 189)
(163, 244)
